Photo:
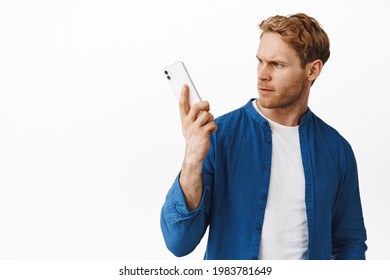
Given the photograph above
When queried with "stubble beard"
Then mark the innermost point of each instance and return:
(289, 97)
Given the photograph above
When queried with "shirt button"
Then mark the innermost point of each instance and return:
(267, 167)
(258, 228)
(263, 196)
(268, 141)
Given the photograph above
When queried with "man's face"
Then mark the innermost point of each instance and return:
(282, 83)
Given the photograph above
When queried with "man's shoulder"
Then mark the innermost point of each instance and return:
(328, 132)
(235, 115)
(234, 119)
(231, 115)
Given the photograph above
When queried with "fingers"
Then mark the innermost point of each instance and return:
(210, 127)
(197, 114)
(184, 102)
(191, 111)
(204, 123)
(204, 118)
(198, 108)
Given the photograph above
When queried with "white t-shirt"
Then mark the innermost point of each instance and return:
(284, 233)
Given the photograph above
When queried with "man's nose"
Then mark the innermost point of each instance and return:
(263, 72)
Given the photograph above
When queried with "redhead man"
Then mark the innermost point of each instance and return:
(271, 180)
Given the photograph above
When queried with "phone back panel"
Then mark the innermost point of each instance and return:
(177, 75)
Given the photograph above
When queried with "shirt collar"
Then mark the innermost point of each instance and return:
(263, 121)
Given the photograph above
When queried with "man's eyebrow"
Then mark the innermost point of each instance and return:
(272, 60)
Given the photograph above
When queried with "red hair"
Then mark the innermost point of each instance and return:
(303, 33)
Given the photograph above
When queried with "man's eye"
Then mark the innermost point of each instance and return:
(277, 65)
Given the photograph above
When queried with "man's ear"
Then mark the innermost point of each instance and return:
(314, 70)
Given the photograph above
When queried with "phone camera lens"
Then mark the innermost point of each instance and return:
(168, 77)
(166, 72)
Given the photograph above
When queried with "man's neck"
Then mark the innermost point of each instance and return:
(288, 116)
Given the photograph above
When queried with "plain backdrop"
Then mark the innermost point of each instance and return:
(90, 135)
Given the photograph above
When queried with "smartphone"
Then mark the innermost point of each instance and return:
(177, 76)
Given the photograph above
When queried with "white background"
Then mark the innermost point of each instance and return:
(90, 137)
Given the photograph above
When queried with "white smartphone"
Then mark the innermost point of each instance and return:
(177, 76)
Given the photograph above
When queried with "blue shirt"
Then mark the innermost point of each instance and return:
(236, 176)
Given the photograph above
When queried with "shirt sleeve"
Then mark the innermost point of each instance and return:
(348, 230)
(183, 229)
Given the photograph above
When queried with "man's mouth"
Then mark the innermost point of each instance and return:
(266, 89)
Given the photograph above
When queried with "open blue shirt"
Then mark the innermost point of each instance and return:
(236, 176)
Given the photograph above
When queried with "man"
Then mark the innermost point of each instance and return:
(273, 181)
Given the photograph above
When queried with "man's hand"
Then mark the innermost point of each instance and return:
(197, 125)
